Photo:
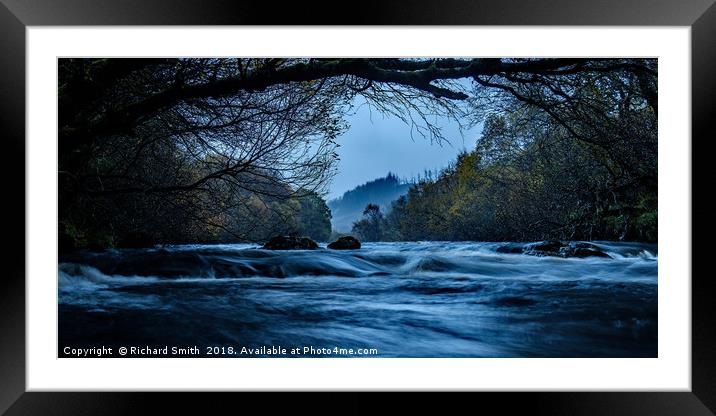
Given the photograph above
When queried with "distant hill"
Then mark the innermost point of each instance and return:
(349, 207)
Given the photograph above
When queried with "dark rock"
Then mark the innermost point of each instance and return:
(548, 246)
(136, 239)
(554, 248)
(545, 248)
(285, 242)
(582, 250)
(510, 249)
(582, 244)
(345, 243)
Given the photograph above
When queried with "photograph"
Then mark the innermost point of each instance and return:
(357, 207)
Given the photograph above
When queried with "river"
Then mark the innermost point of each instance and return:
(407, 299)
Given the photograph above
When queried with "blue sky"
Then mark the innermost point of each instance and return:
(375, 145)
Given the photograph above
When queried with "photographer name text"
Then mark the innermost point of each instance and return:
(194, 350)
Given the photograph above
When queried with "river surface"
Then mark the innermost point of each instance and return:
(412, 299)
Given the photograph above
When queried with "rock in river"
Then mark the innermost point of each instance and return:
(545, 248)
(583, 250)
(345, 243)
(512, 248)
(555, 249)
(285, 242)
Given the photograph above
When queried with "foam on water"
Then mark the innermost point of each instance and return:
(424, 299)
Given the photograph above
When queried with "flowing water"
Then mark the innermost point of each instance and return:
(408, 299)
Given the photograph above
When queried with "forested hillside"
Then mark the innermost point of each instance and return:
(349, 207)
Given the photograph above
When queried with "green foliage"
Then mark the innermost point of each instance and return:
(164, 221)
(647, 226)
(530, 179)
(371, 227)
(71, 237)
(314, 218)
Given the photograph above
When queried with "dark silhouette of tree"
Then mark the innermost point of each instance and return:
(370, 228)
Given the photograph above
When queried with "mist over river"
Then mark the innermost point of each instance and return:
(407, 299)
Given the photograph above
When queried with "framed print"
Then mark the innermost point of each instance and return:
(463, 198)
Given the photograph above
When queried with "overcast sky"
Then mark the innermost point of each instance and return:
(374, 146)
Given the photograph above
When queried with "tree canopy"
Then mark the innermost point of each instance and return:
(213, 149)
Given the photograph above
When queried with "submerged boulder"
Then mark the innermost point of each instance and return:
(554, 248)
(582, 250)
(545, 248)
(345, 243)
(588, 252)
(511, 248)
(285, 242)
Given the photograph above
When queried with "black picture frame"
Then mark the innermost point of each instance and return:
(16, 15)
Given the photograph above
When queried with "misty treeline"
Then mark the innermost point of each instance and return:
(351, 205)
(233, 149)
